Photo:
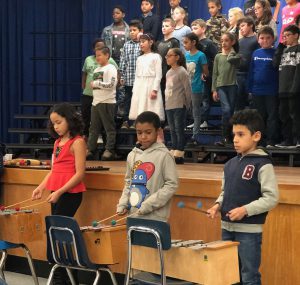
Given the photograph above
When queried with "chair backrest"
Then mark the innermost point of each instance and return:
(65, 244)
(148, 239)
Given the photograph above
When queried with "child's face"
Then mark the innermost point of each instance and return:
(245, 29)
(174, 3)
(118, 15)
(134, 33)
(145, 45)
(167, 28)
(226, 42)
(187, 44)
(146, 134)
(146, 7)
(177, 15)
(244, 142)
(232, 19)
(259, 10)
(60, 124)
(290, 2)
(290, 39)
(99, 45)
(265, 40)
(213, 9)
(198, 31)
(101, 58)
(171, 58)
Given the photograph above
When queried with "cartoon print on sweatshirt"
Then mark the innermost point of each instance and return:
(138, 188)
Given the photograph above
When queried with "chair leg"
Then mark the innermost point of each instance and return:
(49, 281)
(69, 271)
(30, 262)
(2, 263)
(97, 277)
(112, 275)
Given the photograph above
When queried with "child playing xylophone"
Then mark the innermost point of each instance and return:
(151, 178)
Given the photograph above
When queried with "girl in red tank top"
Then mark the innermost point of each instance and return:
(68, 162)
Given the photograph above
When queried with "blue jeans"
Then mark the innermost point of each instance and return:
(176, 119)
(227, 95)
(197, 99)
(249, 251)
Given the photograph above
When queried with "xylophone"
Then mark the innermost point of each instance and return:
(105, 244)
(20, 224)
(214, 263)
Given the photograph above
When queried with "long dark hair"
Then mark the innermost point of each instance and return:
(233, 38)
(72, 116)
(267, 13)
(193, 37)
(181, 61)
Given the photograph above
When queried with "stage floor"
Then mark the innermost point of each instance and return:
(285, 175)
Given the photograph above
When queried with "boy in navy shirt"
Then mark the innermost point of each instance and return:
(249, 191)
(151, 22)
(263, 84)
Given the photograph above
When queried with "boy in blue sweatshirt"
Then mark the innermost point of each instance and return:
(249, 191)
(263, 84)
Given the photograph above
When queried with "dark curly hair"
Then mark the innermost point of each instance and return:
(72, 116)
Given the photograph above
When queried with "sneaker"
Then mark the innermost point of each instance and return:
(132, 127)
(285, 144)
(220, 143)
(107, 155)
(298, 144)
(204, 125)
(192, 142)
(100, 139)
(125, 125)
(190, 126)
(167, 128)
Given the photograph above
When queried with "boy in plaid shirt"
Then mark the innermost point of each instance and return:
(131, 51)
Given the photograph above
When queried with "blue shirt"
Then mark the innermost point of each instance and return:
(194, 67)
(263, 76)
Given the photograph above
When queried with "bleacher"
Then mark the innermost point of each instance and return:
(34, 138)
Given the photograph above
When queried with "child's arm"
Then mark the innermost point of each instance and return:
(214, 80)
(266, 202)
(278, 54)
(79, 150)
(276, 11)
(213, 211)
(158, 76)
(166, 192)
(83, 80)
(205, 71)
(113, 77)
(124, 200)
(234, 58)
(187, 88)
(38, 191)
(122, 66)
(250, 75)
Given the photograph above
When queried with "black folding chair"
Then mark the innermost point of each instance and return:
(66, 248)
(154, 234)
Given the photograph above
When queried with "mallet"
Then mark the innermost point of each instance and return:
(198, 209)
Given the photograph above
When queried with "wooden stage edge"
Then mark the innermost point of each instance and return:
(280, 250)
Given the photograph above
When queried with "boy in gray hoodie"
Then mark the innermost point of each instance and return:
(151, 178)
(249, 191)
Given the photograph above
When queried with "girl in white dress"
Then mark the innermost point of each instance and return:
(146, 93)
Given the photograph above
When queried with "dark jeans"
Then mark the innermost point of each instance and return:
(267, 106)
(86, 105)
(176, 119)
(102, 116)
(227, 95)
(242, 100)
(206, 102)
(67, 205)
(127, 101)
(289, 112)
(249, 251)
